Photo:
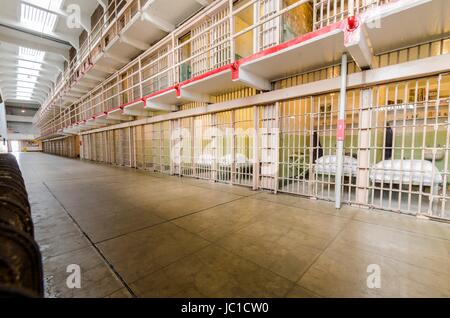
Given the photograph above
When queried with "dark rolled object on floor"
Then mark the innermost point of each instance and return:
(14, 193)
(20, 259)
(10, 178)
(20, 263)
(13, 215)
(9, 160)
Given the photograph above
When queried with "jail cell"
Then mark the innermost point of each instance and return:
(297, 21)
(175, 147)
(96, 104)
(155, 71)
(156, 146)
(201, 41)
(203, 150)
(109, 144)
(99, 147)
(268, 34)
(84, 148)
(92, 149)
(354, 147)
(87, 147)
(325, 115)
(161, 147)
(220, 54)
(148, 147)
(126, 147)
(71, 147)
(186, 151)
(128, 84)
(165, 153)
(296, 151)
(224, 144)
(409, 138)
(118, 151)
(268, 145)
(110, 94)
(138, 133)
(327, 12)
(242, 156)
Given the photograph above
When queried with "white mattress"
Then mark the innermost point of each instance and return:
(227, 160)
(241, 160)
(327, 165)
(205, 159)
(416, 172)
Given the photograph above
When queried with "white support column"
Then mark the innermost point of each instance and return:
(255, 147)
(214, 145)
(362, 177)
(233, 148)
(129, 147)
(340, 133)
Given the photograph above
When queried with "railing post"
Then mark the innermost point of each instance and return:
(351, 8)
(340, 133)
(231, 21)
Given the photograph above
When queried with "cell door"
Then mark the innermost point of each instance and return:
(224, 146)
(268, 147)
(203, 155)
(186, 150)
(125, 144)
(118, 148)
(175, 147)
(269, 32)
(165, 150)
(242, 160)
(148, 149)
(409, 138)
(296, 154)
(139, 146)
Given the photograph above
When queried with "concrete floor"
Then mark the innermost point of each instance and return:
(144, 234)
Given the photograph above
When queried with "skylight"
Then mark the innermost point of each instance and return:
(27, 71)
(25, 84)
(23, 94)
(29, 65)
(37, 19)
(20, 97)
(46, 4)
(31, 54)
(27, 78)
(23, 90)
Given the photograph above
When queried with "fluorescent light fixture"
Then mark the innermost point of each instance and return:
(31, 54)
(37, 19)
(26, 71)
(46, 4)
(30, 65)
(28, 78)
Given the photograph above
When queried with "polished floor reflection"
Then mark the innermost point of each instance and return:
(143, 234)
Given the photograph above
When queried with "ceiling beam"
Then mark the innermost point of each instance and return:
(15, 63)
(12, 77)
(22, 38)
(35, 89)
(13, 69)
(9, 56)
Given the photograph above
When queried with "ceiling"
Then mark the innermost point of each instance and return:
(35, 39)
